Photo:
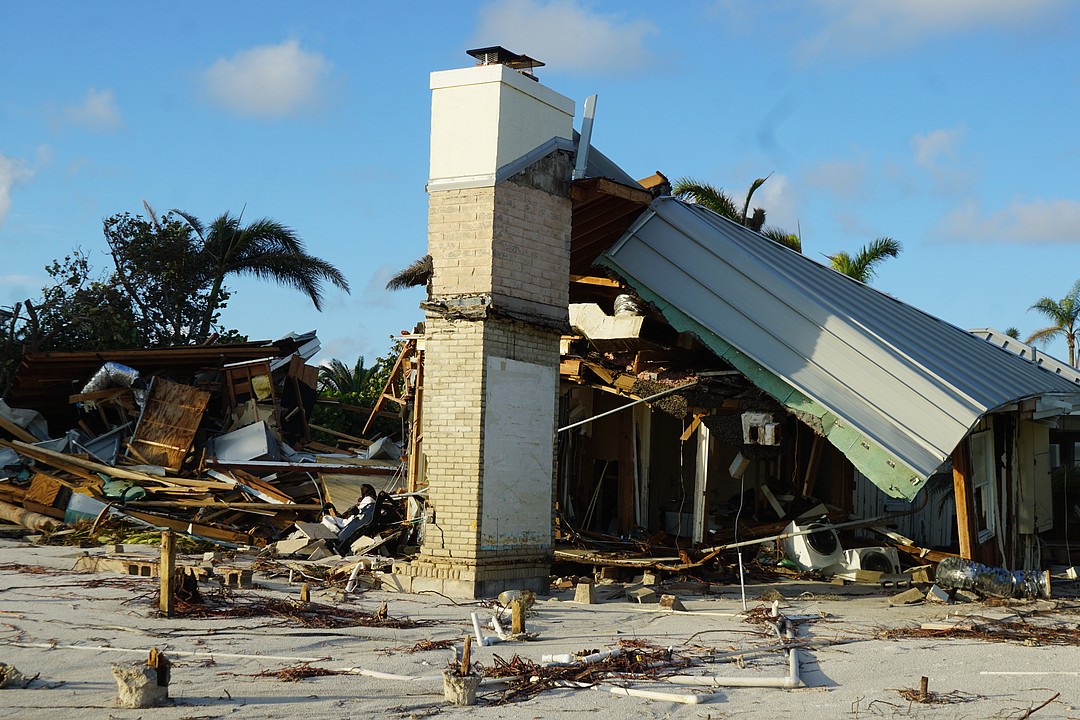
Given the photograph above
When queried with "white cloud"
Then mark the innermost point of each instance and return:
(867, 26)
(1035, 222)
(268, 81)
(846, 179)
(566, 35)
(781, 202)
(936, 145)
(12, 172)
(97, 111)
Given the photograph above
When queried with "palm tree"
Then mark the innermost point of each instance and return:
(717, 200)
(265, 249)
(863, 265)
(338, 379)
(1063, 314)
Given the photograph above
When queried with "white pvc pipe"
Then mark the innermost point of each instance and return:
(718, 681)
(688, 699)
(388, 676)
(351, 585)
(600, 656)
(480, 639)
(477, 630)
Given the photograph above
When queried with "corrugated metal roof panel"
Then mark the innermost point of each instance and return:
(910, 382)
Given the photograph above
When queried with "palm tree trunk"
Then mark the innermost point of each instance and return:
(211, 308)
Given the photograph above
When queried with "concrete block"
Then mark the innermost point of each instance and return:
(362, 543)
(671, 602)
(316, 531)
(924, 574)
(908, 597)
(938, 594)
(319, 550)
(650, 578)
(137, 686)
(290, 547)
(642, 595)
(585, 593)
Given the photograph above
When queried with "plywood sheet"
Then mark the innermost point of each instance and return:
(169, 421)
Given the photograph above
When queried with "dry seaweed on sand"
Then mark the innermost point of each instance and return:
(636, 659)
(421, 646)
(298, 672)
(1003, 631)
(289, 612)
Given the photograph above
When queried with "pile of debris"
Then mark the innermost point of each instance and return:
(213, 441)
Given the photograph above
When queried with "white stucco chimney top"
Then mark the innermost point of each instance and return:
(498, 55)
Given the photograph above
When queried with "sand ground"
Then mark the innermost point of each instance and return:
(70, 628)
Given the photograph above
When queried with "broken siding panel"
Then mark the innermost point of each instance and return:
(930, 525)
(519, 442)
(168, 423)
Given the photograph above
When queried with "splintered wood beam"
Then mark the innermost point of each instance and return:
(17, 432)
(601, 281)
(964, 493)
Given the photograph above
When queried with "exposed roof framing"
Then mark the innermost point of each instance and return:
(603, 210)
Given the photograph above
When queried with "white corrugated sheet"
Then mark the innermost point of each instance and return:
(908, 381)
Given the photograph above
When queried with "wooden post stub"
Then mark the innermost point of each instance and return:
(161, 665)
(305, 593)
(518, 610)
(166, 570)
(466, 659)
(924, 684)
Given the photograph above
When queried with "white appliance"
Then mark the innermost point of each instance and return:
(814, 550)
(880, 559)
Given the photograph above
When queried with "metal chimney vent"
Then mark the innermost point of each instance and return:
(498, 55)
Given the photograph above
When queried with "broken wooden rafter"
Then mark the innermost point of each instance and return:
(269, 466)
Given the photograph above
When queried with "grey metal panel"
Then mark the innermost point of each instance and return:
(911, 382)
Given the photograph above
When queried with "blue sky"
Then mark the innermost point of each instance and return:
(949, 126)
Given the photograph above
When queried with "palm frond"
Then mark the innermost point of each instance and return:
(707, 196)
(750, 193)
(418, 273)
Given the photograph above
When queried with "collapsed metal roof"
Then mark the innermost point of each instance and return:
(893, 388)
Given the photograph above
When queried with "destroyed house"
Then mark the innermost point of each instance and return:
(702, 380)
(852, 387)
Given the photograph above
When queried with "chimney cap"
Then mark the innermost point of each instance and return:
(498, 55)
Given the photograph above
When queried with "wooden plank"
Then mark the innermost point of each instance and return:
(812, 465)
(189, 528)
(45, 490)
(601, 372)
(167, 569)
(341, 435)
(626, 492)
(963, 491)
(267, 466)
(601, 281)
(217, 504)
(168, 423)
(98, 395)
(17, 432)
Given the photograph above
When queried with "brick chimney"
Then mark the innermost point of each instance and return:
(499, 238)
